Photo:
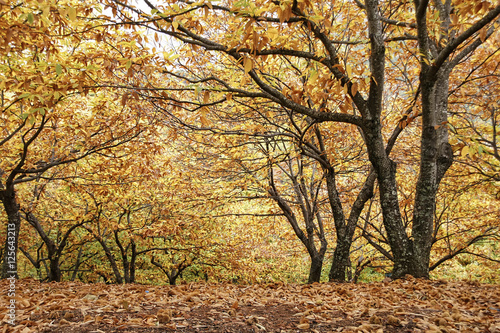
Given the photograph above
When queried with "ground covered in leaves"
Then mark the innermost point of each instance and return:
(395, 306)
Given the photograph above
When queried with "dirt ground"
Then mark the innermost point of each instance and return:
(396, 306)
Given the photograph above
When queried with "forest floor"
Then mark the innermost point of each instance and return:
(397, 306)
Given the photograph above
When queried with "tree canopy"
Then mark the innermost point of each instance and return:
(232, 140)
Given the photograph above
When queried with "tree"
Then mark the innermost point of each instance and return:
(305, 188)
(289, 53)
(53, 114)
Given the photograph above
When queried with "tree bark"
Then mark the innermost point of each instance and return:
(133, 259)
(341, 261)
(315, 269)
(8, 198)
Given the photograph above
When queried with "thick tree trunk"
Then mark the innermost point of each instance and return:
(343, 246)
(315, 269)
(114, 266)
(435, 159)
(401, 245)
(55, 271)
(9, 267)
(345, 229)
(341, 261)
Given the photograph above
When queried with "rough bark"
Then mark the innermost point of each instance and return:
(9, 266)
(315, 269)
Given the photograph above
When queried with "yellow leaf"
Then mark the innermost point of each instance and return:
(272, 33)
(349, 71)
(314, 76)
(465, 151)
(203, 117)
(248, 64)
(175, 24)
(72, 13)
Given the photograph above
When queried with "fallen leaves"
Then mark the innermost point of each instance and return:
(398, 306)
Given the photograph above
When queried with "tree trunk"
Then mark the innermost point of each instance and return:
(435, 159)
(315, 269)
(133, 260)
(54, 250)
(9, 267)
(55, 271)
(128, 266)
(111, 259)
(341, 261)
(78, 263)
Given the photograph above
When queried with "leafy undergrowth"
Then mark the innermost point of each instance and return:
(397, 306)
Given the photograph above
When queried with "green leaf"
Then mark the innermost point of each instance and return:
(58, 69)
(31, 18)
(197, 91)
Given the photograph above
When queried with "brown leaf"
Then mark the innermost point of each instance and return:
(394, 321)
(164, 316)
(251, 320)
(376, 320)
(304, 326)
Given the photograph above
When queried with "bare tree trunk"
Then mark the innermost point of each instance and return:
(9, 267)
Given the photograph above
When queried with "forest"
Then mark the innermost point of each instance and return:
(243, 142)
(250, 165)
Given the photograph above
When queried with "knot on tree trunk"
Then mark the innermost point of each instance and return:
(444, 160)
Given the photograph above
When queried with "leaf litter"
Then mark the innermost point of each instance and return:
(406, 305)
